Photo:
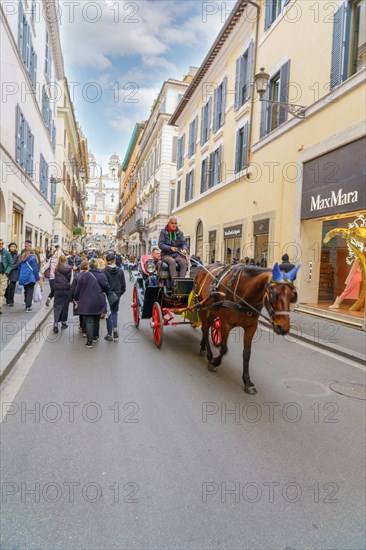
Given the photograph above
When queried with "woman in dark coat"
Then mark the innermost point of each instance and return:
(28, 276)
(14, 275)
(62, 293)
(90, 295)
(84, 266)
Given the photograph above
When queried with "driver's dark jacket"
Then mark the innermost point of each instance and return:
(165, 244)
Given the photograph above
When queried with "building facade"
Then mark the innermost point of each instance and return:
(128, 236)
(156, 165)
(253, 180)
(72, 160)
(30, 44)
(102, 199)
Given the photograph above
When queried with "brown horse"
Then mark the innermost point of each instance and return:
(236, 294)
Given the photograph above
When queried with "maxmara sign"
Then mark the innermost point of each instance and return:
(336, 199)
(335, 182)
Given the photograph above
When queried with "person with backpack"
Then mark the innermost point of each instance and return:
(117, 287)
(90, 296)
(28, 275)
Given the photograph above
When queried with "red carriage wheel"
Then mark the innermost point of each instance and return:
(157, 324)
(135, 308)
(216, 332)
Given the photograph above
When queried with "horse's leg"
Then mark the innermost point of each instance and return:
(225, 331)
(248, 337)
(205, 344)
(202, 346)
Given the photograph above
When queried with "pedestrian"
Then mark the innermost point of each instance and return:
(28, 246)
(74, 260)
(52, 262)
(61, 289)
(28, 275)
(84, 266)
(245, 260)
(117, 287)
(6, 265)
(42, 262)
(14, 275)
(286, 265)
(90, 295)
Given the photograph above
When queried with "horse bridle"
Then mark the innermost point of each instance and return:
(272, 296)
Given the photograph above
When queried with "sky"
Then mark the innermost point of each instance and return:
(118, 53)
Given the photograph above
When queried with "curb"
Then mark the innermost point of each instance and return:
(338, 350)
(14, 349)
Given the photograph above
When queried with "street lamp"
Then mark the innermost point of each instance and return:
(261, 83)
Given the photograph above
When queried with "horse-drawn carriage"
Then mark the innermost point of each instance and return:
(220, 298)
(158, 298)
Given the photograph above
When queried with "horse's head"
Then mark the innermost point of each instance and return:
(279, 294)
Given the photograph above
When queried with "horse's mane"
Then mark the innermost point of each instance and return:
(253, 271)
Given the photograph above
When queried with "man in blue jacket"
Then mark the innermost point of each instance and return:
(171, 241)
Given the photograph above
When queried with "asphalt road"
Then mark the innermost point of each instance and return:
(133, 447)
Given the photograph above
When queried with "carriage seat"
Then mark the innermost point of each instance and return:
(164, 271)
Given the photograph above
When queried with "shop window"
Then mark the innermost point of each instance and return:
(261, 233)
(232, 250)
(212, 246)
(348, 41)
(199, 240)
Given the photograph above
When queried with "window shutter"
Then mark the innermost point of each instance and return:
(223, 101)
(284, 83)
(268, 14)
(203, 176)
(179, 184)
(191, 187)
(237, 83)
(203, 124)
(248, 84)
(183, 145)
(28, 47)
(215, 113)
(211, 170)
(218, 169)
(34, 80)
(187, 188)
(195, 133)
(237, 156)
(209, 117)
(53, 136)
(337, 47)
(264, 116)
(23, 143)
(21, 28)
(244, 156)
(18, 138)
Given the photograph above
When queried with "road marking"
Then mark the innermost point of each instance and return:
(14, 381)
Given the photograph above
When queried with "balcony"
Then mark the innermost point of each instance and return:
(140, 223)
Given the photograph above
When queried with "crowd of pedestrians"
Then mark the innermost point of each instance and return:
(93, 285)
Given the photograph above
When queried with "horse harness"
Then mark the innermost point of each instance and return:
(272, 296)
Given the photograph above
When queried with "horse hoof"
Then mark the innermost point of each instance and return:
(250, 389)
(202, 352)
(212, 367)
(216, 362)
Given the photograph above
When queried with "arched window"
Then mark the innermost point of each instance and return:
(199, 240)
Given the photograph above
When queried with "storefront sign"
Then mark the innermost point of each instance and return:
(234, 231)
(335, 183)
(261, 227)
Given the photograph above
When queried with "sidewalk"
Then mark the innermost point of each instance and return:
(327, 334)
(17, 328)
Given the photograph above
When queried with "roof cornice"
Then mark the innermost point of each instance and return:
(52, 20)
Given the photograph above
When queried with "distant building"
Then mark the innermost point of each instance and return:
(102, 199)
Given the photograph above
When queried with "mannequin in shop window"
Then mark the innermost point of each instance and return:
(352, 283)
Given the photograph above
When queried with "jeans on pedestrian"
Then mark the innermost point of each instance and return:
(10, 291)
(52, 284)
(28, 291)
(91, 323)
(3, 285)
(112, 321)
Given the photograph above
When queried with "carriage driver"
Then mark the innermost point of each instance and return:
(170, 241)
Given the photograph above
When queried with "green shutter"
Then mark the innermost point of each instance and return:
(337, 47)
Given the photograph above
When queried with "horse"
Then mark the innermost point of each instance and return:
(236, 295)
